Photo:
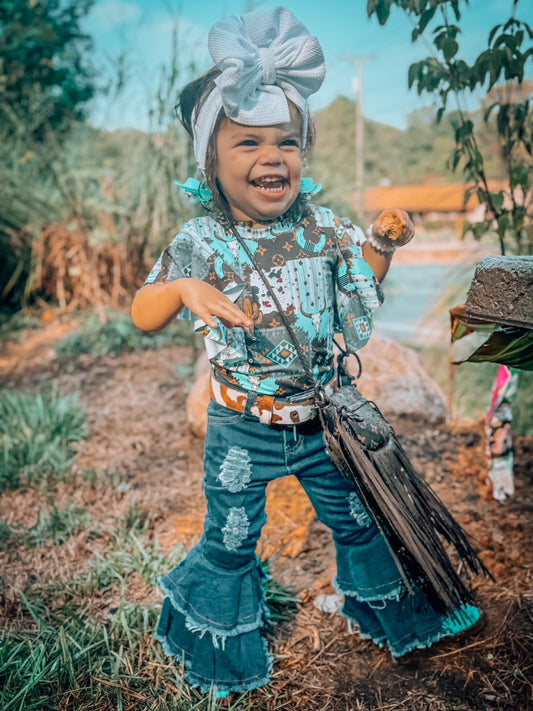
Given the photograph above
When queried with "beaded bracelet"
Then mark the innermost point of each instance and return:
(381, 245)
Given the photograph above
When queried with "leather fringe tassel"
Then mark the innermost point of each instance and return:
(414, 521)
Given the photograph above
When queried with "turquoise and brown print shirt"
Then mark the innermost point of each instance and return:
(315, 268)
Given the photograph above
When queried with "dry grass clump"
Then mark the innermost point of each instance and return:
(79, 274)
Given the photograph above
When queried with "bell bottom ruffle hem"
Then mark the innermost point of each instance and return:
(385, 612)
(212, 621)
(218, 638)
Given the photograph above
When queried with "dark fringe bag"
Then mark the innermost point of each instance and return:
(412, 518)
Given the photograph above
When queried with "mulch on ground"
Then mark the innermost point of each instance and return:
(138, 433)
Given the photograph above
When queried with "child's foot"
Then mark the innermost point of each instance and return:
(467, 619)
(221, 694)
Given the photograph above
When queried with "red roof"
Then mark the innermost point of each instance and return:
(433, 197)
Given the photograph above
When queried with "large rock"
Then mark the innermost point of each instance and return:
(393, 377)
(198, 397)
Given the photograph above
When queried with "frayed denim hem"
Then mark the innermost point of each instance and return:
(434, 635)
(209, 686)
(394, 594)
(350, 620)
(455, 623)
(218, 635)
(419, 644)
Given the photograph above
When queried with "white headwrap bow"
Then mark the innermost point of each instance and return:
(266, 58)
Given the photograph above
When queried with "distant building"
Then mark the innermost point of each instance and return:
(431, 202)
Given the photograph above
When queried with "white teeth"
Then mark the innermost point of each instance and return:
(270, 182)
(270, 179)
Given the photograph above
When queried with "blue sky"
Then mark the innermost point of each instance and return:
(143, 30)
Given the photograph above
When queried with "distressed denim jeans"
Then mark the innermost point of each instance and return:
(214, 611)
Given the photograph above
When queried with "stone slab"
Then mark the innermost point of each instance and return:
(502, 291)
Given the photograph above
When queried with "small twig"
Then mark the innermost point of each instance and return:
(327, 646)
(462, 649)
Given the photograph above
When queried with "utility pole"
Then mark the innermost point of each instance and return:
(358, 61)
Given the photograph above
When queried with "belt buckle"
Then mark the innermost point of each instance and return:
(299, 399)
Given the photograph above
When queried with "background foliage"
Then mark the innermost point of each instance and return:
(445, 74)
(117, 187)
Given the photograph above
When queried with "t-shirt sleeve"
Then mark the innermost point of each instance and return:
(357, 291)
(177, 261)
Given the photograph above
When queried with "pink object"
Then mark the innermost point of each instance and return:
(498, 436)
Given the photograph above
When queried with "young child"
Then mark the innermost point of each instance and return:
(249, 120)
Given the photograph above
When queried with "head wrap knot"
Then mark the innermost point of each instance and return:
(268, 65)
(266, 59)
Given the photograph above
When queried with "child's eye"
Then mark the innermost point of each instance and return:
(293, 142)
(248, 142)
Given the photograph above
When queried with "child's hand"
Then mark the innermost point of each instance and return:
(393, 228)
(205, 302)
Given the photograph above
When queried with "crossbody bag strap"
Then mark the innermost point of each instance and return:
(285, 321)
(344, 353)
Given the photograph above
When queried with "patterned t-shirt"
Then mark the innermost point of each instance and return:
(315, 268)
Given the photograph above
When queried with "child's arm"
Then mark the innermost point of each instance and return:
(157, 304)
(393, 228)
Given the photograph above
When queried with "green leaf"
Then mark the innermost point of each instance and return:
(480, 228)
(456, 157)
(488, 111)
(371, 7)
(413, 73)
(493, 33)
(502, 222)
(449, 48)
(426, 18)
(382, 10)
(518, 220)
(507, 345)
(482, 195)
(519, 175)
(496, 200)
(463, 130)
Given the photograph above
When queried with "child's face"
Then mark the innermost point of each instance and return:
(259, 168)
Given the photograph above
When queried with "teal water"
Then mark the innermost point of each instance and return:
(411, 292)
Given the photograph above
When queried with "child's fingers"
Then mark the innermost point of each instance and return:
(234, 316)
(206, 302)
(228, 313)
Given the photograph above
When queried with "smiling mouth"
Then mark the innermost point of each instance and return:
(270, 184)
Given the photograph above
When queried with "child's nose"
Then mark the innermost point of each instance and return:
(271, 155)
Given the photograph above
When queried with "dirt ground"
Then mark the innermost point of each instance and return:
(138, 432)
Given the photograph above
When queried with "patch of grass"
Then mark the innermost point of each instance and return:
(118, 335)
(105, 479)
(57, 526)
(68, 660)
(137, 555)
(19, 321)
(36, 434)
(280, 599)
(133, 550)
(57, 655)
(135, 522)
(6, 533)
